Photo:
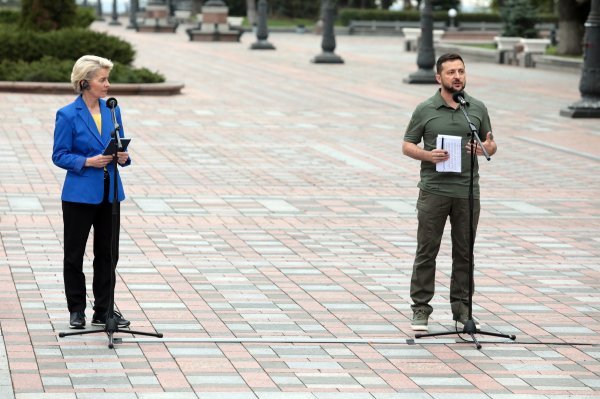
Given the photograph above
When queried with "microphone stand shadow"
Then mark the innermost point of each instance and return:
(111, 325)
(470, 328)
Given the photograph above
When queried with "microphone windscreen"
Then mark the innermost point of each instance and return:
(458, 96)
(111, 102)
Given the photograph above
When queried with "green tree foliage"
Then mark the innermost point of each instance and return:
(545, 6)
(519, 18)
(50, 69)
(48, 15)
(236, 7)
(295, 8)
(64, 44)
(356, 3)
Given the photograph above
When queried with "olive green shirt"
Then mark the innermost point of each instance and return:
(433, 117)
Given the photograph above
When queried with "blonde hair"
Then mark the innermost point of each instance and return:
(86, 67)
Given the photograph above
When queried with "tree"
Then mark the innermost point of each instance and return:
(47, 15)
(296, 8)
(519, 18)
(251, 11)
(196, 7)
(572, 16)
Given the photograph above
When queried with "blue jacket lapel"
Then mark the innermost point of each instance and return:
(107, 123)
(86, 116)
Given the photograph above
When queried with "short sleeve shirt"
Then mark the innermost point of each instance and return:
(433, 117)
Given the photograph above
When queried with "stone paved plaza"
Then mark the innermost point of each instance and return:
(270, 228)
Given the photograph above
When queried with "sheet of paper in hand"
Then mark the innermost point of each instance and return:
(453, 145)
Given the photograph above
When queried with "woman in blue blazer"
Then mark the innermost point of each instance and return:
(82, 131)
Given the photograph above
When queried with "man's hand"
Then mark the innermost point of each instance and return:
(489, 144)
(99, 161)
(414, 151)
(439, 155)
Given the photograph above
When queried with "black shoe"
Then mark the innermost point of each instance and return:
(77, 320)
(99, 319)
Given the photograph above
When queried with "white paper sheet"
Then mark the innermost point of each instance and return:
(453, 145)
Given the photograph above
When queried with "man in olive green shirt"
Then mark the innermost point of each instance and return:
(445, 194)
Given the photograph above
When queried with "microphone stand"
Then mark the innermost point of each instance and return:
(469, 328)
(111, 325)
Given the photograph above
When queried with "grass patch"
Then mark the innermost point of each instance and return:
(553, 50)
(488, 46)
(286, 23)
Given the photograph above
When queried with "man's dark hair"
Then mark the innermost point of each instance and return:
(445, 58)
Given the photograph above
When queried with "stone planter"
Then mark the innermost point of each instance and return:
(532, 47)
(506, 43)
(506, 46)
(535, 45)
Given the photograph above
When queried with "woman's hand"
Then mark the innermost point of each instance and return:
(99, 161)
(122, 157)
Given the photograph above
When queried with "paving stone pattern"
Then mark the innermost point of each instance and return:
(271, 200)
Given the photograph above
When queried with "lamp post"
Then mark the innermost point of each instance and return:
(133, 10)
(589, 85)
(115, 15)
(262, 33)
(426, 54)
(99, 13)
(452, 15)
(328, 42)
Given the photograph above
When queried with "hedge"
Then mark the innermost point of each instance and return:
(49, 69)
(64, 44)
(349, 14)
(8, 16)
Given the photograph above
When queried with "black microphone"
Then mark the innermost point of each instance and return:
(111, 102)
(458, 97)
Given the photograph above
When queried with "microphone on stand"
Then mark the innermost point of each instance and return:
(458, 97)
(111, 103)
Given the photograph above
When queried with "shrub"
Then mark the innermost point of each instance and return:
(519, 18)
(49, 69)
(8, 16)
(125, 74)
(64, 44)
(47, 15)
(85, 17)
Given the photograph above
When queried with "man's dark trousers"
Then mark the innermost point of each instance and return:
(433, 211)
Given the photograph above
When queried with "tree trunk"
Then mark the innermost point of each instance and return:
(251, 11)
(570, 27)
(196, 7)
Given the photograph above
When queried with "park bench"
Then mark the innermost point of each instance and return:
(235, 22)
(182, 16)
(520, 51)
(385, 27)
(412, 36)
(527, 49)
(156, 19)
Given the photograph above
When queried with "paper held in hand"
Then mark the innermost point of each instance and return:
(453, 145)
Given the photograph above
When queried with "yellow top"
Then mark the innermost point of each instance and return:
(98, 120)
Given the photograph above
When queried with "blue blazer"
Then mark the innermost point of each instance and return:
(76, 138)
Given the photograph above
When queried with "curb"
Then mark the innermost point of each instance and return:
(148, 89)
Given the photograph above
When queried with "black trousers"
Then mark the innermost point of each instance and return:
(433, 211)
(78, 219)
